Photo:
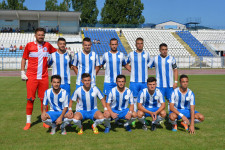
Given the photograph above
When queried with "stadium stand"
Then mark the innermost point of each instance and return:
(104, 37)
(152, 40)
(195, 45)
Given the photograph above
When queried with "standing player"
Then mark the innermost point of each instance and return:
(86, 62)
(182, 106)
(117, 103)
(86, 108)
(37, 72)
(61, 62)
(58, 100)
(151, 103)
(166, 68)
(114, 61)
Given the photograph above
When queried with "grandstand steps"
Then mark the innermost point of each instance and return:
(210, 49)
(184, 44)
(124, 42)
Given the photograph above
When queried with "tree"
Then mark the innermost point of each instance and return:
(122, 12)
(51, 5)
(13, 5)
(89, 10)
(65, 5)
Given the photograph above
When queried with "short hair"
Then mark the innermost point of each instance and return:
(183, 76)
(56, 77)
(163, 44)
(85, 75)
(39, 29)
(61, 39)
(87, 39)
(113, 39)
(139, 39)
(120, 76)
(151, 79)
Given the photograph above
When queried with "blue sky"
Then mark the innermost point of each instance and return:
(211, 12)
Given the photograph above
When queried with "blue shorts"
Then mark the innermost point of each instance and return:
(185, 112)
(88, 114)
(108, 87)
(122, 113)
(66, 87)
(166, 92)
(135, 87)
(54, 115)
(152, 110)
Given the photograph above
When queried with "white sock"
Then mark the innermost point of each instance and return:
(129, 122)
(66, 122)
(142, 120)
(77, 122)
(49, 122)
(159, 118)
(173, 122)
(196, 121)
(135, 104)
(107, 122)
(97, 122)
(28, 118)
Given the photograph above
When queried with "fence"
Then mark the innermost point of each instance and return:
(14, 63)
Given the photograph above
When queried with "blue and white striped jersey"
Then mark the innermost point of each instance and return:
(114, 63)
(164, 70)
(86, 63)
(139, 67)
(86, 100)
(120, 101)
(182, 101)
(150, 101)
(58, 101)
(61, 66)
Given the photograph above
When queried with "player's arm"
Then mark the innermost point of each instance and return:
(128, 67)
(44, 115)
(141, 108)
(59, 120)
(75, 69)
(175, 72)
(192, 127)
(23, 63)
(97, 68)
(173, 109)
(162, 107)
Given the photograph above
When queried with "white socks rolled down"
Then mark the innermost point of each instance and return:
(142, 120)
(159, 118)
(97, 122)
(196, 121)
(129, 122)
(173, 122)
(77, 122)
(107, 122)
(66, 122)
(50, 123)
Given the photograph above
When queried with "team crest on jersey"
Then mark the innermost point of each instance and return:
(145, 56)
(156, 97)
(93, 94)
(127, 97)
(61, 100)
(187, 99)
(92, 57)
(169, 60)
(45, 49)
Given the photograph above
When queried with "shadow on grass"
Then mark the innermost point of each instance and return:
(37, 121)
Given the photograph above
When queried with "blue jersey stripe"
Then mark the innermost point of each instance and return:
(160, 71)
(83, 63)
(118, 63)
(52, 101)
(155, 102)
(136, 66)
(167, 72)
(117, 102)
(124, 100)
(58, 63)
(60, 103)
(92, 99)
(84, 99)
(65, 69)
(111, 68)
(179, 100)
(90, 63)
(147, 100)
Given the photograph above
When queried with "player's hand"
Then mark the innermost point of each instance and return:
(114, 115)
(192, 129)
(44, 116)
(70, 114)
(154, 116)
(128, 116)
(23, 76)
(174, 85)
(185, 120)
(58, 121)
(106, 114)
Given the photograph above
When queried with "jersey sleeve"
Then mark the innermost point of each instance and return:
(75, 60)
(128, 58)
(99, 94)
(151, 63)
(66, 101)
(174, 65)
(50, 61)
(103, 61)
(52, 49)
(45, 100)
(131, 101)
(75, 95)
(26, 52)
(172, 99)
(109, 98)
(192, 99)
(148, 58)
(97, 60)
(140, 97)
(71, 60)
(124, 60)
(161, 98)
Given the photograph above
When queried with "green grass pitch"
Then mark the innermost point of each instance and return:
(210, 100)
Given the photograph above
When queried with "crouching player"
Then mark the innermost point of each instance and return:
(117, 103)
(58, 100)
(151, 103)
(182, 106)
(86, 108)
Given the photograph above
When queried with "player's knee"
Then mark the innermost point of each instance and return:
(172, 116)
(201, 117)
(107, 115)
(163, 113)
(134, 114)
(140, 114)
(77, 117)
